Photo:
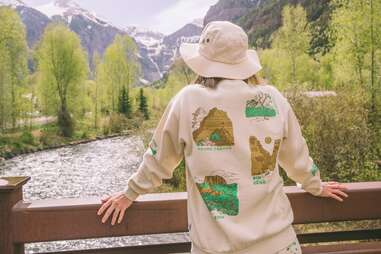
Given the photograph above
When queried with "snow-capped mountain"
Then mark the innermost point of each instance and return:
(150, 45)
(11, 2)
(68, 9)
(162, 50)
(156, 51)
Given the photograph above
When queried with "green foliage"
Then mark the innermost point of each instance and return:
(124, 103)
(143, 107)
(119, 68)
(13, 66)
(62, 69)
(288, 63)
(356, 57)
(27, 137)
(337, 134)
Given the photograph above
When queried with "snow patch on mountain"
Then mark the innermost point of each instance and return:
(12, 2)
(198, 22)
(68, 9)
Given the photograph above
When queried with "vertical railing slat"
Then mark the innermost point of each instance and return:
(10, 193)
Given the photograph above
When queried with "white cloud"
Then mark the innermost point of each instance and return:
(181, 13)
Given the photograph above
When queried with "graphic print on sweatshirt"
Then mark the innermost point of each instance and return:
(212, 130)
(153, 147)
(292, 248)
(314, 169)
(219, 193)
(262, 161)
(261, 106)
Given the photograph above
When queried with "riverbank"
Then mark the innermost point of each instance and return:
(46, 138)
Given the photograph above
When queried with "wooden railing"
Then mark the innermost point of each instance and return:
(67, 219)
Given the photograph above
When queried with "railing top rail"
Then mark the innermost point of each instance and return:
(72, 218)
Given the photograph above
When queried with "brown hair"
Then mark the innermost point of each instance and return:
(212, 82)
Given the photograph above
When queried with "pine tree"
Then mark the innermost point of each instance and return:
(143, 107)
(124, 103)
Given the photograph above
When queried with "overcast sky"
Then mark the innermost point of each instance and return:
(165, 16)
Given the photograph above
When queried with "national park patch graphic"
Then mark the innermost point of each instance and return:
(153, 147)
(314, 169)
(212, 130)
(262, 105)
(219, 196)
(262, 161)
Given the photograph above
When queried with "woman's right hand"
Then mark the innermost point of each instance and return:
(116, 206)
(334, 190)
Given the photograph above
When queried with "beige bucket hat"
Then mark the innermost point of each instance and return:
(222, 51)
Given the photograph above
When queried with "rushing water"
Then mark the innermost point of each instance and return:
(85, 170)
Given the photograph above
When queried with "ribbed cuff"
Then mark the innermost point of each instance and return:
(321, 189)
(131, 194)
(311, 190)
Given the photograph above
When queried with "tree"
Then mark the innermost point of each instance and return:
(143, 107)
(356, 29)
(13, 65)
(124, 103)
(96, 92)
(62, 68)
(294, 36)
(288, 61)
(120, 68)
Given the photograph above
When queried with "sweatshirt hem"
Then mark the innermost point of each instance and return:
(271, 244)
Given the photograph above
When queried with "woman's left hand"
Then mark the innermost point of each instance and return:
(116, 204)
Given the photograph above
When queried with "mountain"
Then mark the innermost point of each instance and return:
(150, 45)
(159, 51)
(156, 51)
(11, 2)
(95, 33)
(230, 10)
(260, 18)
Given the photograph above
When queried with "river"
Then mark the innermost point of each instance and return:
(85, 170)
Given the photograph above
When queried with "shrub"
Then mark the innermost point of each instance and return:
(337, 134)
(27, 138)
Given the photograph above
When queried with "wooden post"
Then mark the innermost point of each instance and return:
(10, 194)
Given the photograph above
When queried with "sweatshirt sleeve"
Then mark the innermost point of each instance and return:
(294, 156)
(164, 153)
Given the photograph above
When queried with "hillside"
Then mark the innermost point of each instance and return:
(260, 18)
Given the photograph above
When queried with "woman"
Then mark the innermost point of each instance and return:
(233, 135)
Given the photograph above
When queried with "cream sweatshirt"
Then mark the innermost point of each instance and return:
(233, 139)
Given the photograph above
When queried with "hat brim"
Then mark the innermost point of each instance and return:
(207, 68)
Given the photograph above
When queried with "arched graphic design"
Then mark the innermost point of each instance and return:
(262, 161)
(212, 130)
